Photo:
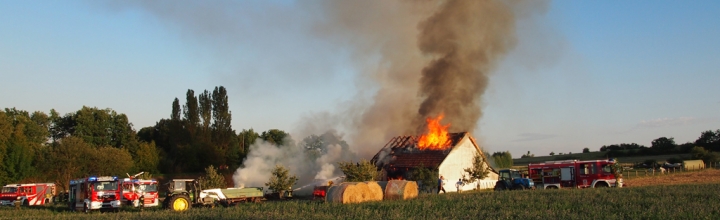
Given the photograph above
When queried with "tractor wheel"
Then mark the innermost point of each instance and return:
(179, 203)
(519, 187)
(500, 186)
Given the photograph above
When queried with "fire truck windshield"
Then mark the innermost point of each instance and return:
(148, 187)
(100, 186)
(9, 190)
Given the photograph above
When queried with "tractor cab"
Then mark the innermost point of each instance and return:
(511, 179)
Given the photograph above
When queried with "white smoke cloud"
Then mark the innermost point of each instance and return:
(300, 161)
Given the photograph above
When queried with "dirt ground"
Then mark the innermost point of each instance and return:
(705, 176)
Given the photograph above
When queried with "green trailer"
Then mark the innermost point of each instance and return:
(231, 196)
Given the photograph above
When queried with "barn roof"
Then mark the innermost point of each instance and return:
(403, 152)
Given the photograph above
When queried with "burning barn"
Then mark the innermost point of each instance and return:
(402, 154)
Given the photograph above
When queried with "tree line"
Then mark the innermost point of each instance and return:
(706, 147)
(40, 147)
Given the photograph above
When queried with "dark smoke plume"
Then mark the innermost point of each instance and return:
(466, 39)
(415, 58)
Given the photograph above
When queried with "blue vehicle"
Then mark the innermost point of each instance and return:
(511, 179)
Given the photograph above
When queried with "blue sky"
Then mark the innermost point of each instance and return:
(584, 74)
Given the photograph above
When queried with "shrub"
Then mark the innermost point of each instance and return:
(212, 179)
(359, 172)
(281, 179)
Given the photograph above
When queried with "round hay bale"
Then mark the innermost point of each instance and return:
(344, 193)
(376, 191)
(352, 194)
(411, 190)
(400, 189)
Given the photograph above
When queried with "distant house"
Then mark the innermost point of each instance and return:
(401, 155)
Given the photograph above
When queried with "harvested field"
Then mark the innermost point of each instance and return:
(704, 176)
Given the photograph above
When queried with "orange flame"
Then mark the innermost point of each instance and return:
(437, 136)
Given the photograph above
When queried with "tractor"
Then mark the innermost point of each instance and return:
(183, 194)
(511, 179)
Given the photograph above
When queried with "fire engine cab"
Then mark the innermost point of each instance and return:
(95, 193)
(27, 194)
(135, 191)
(574, 173)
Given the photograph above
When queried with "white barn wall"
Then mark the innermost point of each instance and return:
(453, 167)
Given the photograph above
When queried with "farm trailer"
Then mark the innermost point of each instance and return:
(186, 193)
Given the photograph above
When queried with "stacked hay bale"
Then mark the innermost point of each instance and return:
(399, 189)
(354, 192)
(376, 191)
(344, 193)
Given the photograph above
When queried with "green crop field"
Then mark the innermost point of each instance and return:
(696, 201)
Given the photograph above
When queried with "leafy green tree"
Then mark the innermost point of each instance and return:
(23, 136)
(212, 179)
(359, 172)
(586, 150)
(147, 157)
(222, 132)
(664, 144)
(700, 153)
(281, 179)
(247, 138)
(206, 109)
(190, 109)
(503, 159)
(426, 177)
(98, 127)
(478, 171)
(276, 137)
(70, 158)
(110, 161)
(552, 153)
(709, 140)
(175, 115)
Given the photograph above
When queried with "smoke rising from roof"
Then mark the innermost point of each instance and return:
(423, 58)
(416, 59)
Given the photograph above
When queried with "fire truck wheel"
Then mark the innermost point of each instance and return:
(601, 185)
(26, 203)
(85, 209)
(179, 203)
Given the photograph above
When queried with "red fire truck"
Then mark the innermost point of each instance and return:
(136, 190)
(27, 194)
(574, 173)
(95, 193)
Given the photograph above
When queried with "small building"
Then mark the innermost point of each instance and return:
(401, 155)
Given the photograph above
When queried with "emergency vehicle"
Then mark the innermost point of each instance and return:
(574, 173)
(95, 193)
(27, 194)
(135, 191)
